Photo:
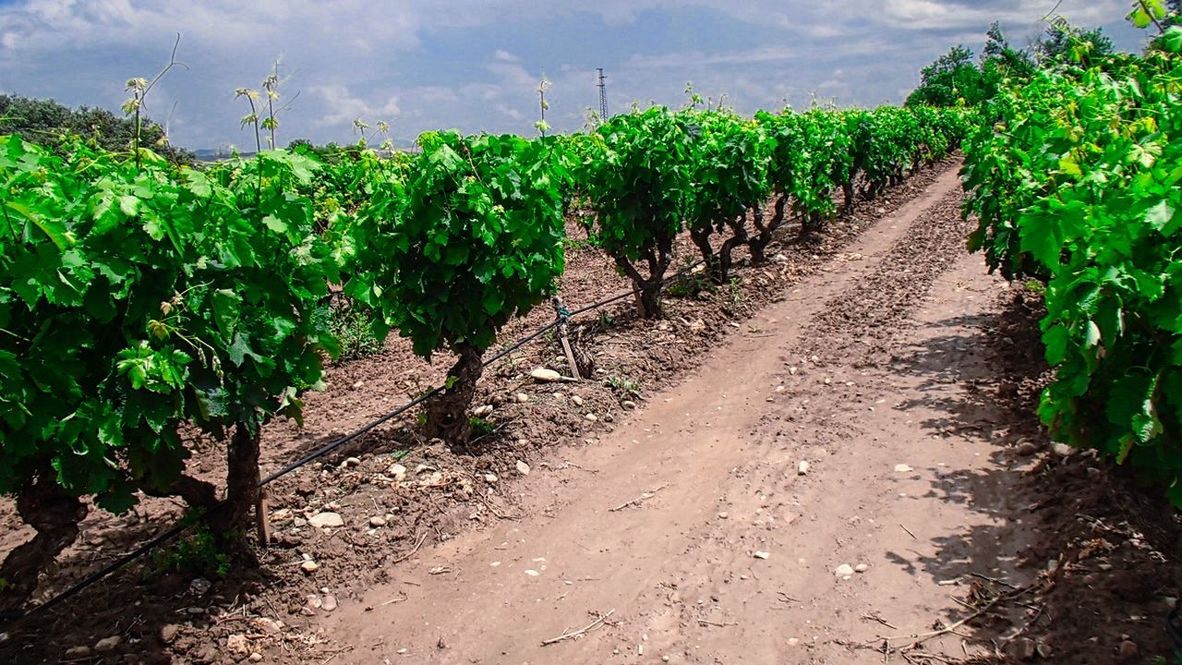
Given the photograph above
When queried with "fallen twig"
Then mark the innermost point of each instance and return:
(335, 654)
(881, 620)
(908, 532)
(704, 622)
(568, 464)
(497, 512)
(638, 500)
(580, 632)
(920, 638)
(993, 579)
(412, 551)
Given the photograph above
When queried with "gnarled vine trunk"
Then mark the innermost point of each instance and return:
(197, 494)
(648, 301)
(757, 244)
(55, 515)
(701, 238)
(648, 297)
(242, 482)
(811, 225)
(447, 412)
(738, 237)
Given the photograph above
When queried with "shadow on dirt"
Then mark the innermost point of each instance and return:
(1099, 565)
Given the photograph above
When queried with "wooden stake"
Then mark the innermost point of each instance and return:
(562, 337)
(262, 518)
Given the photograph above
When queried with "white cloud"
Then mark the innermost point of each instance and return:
(475, 65)
(345, 107)
(700, 59)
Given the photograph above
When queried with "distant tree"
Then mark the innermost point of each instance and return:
(300, 143)
(998, 51)
(1064, 42)
(44, 121)
(955, 79)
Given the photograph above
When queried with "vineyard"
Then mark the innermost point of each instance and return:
(199, 294)
(159, 317)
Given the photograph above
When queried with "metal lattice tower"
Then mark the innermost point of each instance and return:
(602, 94)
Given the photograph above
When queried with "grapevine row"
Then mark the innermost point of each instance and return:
(1076, 180)
(139, 298)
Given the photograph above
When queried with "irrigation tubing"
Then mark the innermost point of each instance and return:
(173, 531)
(183, 525)
(337, 443)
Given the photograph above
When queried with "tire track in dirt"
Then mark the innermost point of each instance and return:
(879, 399)
(682, 579)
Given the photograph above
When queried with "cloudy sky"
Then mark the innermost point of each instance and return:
(475, 64)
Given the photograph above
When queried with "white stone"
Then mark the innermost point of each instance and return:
(844, 570)
(544, 375)
(522, 468)
(326, 520)
(802, 468)
(238, 645)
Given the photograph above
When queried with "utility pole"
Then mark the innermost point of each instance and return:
(602, 94)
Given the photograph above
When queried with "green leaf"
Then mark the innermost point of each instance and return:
(129, 205)
(226, 306)
(1159, 215)
(1055, 339)
(275, 224)
(53, 230)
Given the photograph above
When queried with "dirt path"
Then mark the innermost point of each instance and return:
(727, 552)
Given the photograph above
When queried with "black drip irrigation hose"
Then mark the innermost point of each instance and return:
(352, 436)
(172, 532)
(184, 524)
